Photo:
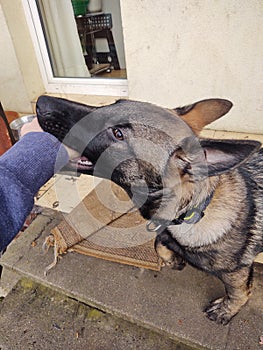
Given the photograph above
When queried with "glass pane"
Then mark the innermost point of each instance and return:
(84, 38)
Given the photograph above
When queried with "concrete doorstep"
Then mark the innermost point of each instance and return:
(158, 310)
(33, 316)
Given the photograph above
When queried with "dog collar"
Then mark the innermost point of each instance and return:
(191, 217)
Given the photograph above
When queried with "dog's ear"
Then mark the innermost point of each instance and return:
(224, 155)
(202, 158)
(204, 112)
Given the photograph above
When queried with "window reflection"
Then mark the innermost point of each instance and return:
(84, 38)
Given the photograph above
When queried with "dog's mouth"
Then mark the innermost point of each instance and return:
(81, 163)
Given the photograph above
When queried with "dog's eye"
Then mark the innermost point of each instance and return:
(117, 134)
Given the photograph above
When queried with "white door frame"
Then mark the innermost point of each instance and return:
(89, 86)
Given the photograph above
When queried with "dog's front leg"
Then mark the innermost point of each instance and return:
(238, 288)
(167, 250)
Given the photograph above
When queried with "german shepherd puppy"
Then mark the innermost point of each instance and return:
(203, 197)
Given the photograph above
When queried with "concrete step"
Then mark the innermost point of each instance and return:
(45, 319)
(169, 303)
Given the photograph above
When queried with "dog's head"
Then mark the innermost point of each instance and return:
(139, 145)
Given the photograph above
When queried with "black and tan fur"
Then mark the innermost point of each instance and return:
(156, 156)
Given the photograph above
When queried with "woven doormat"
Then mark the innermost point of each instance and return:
(106, 225)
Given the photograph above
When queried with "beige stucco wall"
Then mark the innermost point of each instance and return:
(13, 94)
(177, 52)
(19, 73)
(181, 51)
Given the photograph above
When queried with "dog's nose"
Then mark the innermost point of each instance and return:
(37, 109)
(45, 102)
(40, 104)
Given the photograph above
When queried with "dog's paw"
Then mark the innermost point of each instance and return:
(178, 265)
(175, 264)
(219, 311)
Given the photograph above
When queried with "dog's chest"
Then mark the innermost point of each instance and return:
(207, 231)
(189, 236)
